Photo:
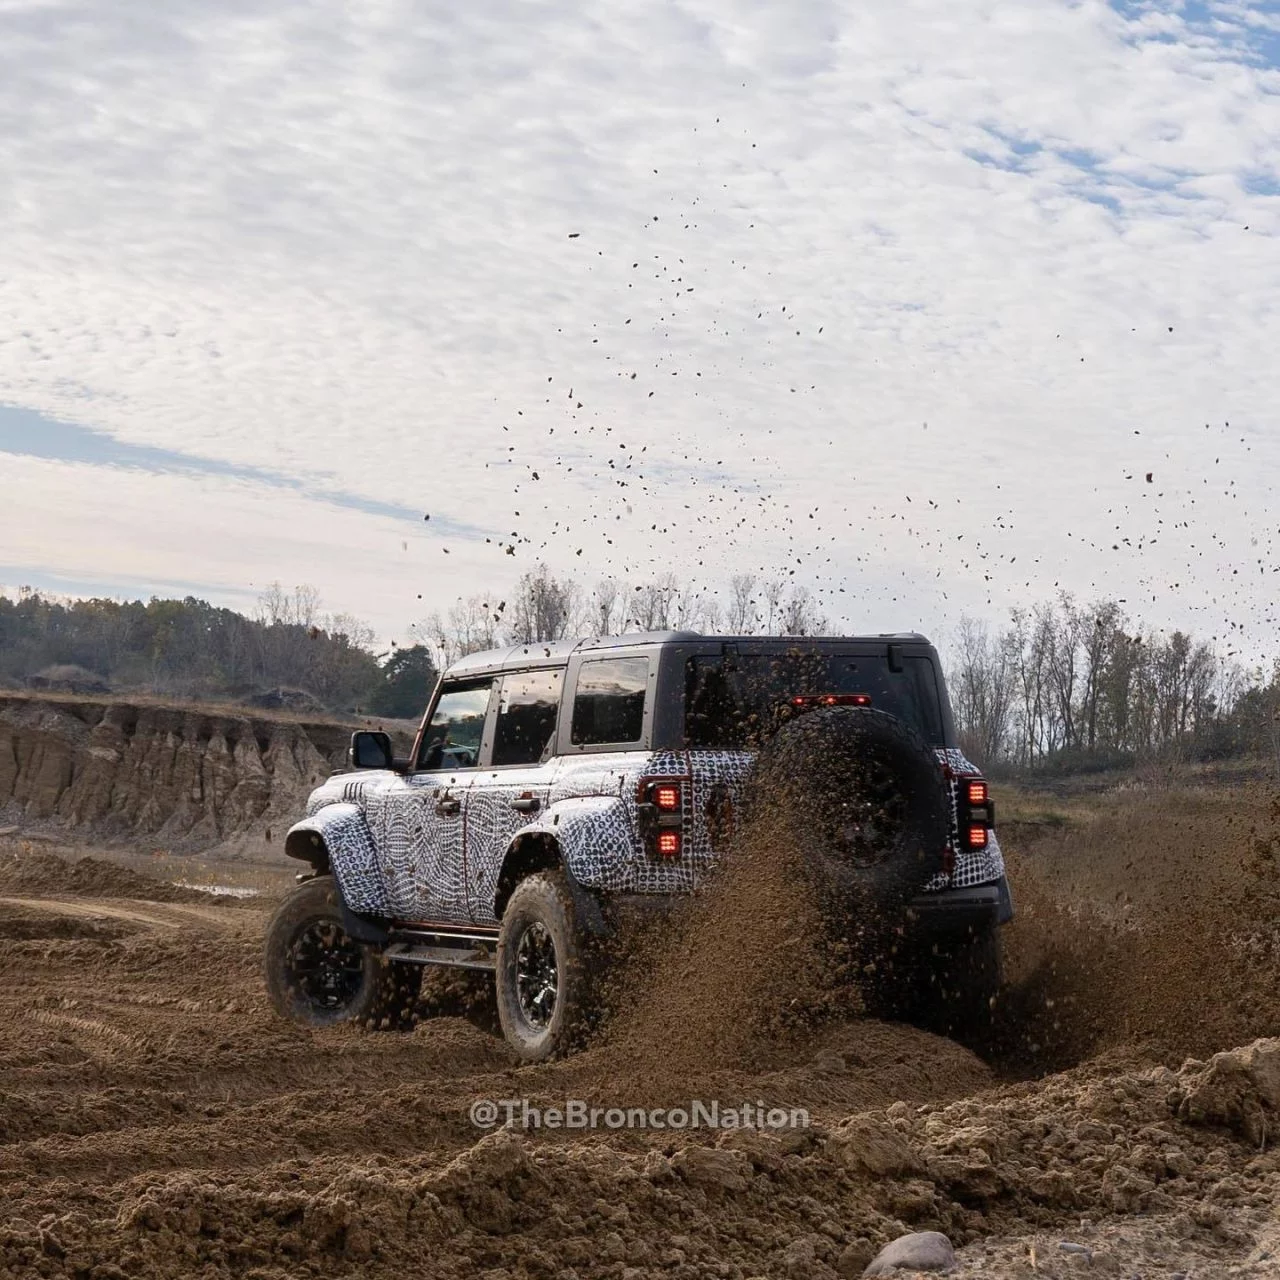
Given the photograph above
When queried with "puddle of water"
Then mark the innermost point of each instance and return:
(219, 890)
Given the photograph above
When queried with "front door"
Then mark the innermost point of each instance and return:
(514, 783)
(423, 845)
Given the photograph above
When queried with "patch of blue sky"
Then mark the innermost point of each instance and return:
(30, 434)
(1261, 184)
(1250, 30)
(15, 577)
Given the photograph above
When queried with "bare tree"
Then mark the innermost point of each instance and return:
(773, 592)
(982, 691)
(543, 607)
(743, 617)
(653, 603)
(606, 608)
(800, 615)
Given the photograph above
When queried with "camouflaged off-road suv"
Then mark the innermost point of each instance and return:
(552, 785)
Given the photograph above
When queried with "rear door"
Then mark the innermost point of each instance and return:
(513, 784)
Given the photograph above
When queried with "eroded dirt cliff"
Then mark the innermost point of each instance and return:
(179, 777)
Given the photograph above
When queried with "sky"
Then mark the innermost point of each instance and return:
(934, 307)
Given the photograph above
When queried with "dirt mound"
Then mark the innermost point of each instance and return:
(26, 871)
(19, 924)
(813, 1204)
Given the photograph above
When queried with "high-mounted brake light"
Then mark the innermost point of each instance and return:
(832, 700)
(977, 793)
(977, 836)
(666, 796)
(669, 844)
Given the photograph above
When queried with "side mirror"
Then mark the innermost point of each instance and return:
(371, 750)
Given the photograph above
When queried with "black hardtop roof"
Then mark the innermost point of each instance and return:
(556, 653)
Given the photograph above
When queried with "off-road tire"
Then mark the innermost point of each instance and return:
(949, 984)
(540, 913)
(319, 976)
(863, 800)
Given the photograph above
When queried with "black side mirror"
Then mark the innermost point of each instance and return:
(371, 750)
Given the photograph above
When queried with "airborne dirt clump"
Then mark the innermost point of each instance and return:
(157, 1121)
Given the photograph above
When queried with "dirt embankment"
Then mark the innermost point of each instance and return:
(184, 777)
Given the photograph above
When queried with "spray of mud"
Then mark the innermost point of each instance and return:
(748, 989)
(1151, 931)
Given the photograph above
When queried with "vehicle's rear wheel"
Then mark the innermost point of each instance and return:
(948, 984)
(540, 974)
(318, 975)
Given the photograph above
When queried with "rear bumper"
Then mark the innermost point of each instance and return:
(946, 911)
(962, 911)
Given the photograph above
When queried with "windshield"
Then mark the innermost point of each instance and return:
(732, 703)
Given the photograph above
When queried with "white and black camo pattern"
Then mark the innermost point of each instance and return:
(396, 856)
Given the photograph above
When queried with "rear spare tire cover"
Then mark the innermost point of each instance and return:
(862, 800)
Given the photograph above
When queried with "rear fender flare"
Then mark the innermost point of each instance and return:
(595, 835)
(531, 850)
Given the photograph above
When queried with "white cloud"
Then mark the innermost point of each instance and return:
(336, 241)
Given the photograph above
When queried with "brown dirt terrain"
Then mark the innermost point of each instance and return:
(157, 1120)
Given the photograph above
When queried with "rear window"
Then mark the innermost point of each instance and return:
(609, 703)
(526, 724)
(733, 703)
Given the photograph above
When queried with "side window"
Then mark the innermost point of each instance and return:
(527, 708)
(453, 737)
(609, 703)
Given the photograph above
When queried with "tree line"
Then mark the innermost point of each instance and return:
(1067, 685)
(192, 649)
(542, 607)
(1062, 685)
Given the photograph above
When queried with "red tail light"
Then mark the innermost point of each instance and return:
(975, 813)
(661, 814)
(666, 795)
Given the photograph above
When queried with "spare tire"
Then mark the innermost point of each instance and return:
(860, 797)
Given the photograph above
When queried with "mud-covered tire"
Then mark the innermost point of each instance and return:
(949, 984)
(539, 924)
(863, 800)
(319, 976)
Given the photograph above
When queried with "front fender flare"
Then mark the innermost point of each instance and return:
(339, 836)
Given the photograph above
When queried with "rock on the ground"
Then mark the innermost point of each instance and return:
(919, 1251)
(1239, 1089)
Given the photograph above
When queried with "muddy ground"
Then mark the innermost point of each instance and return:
(156, 1119)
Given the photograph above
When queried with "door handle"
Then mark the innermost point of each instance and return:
(527, 804)
(447, 806)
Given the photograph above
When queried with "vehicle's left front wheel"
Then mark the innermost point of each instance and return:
(318, 975)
